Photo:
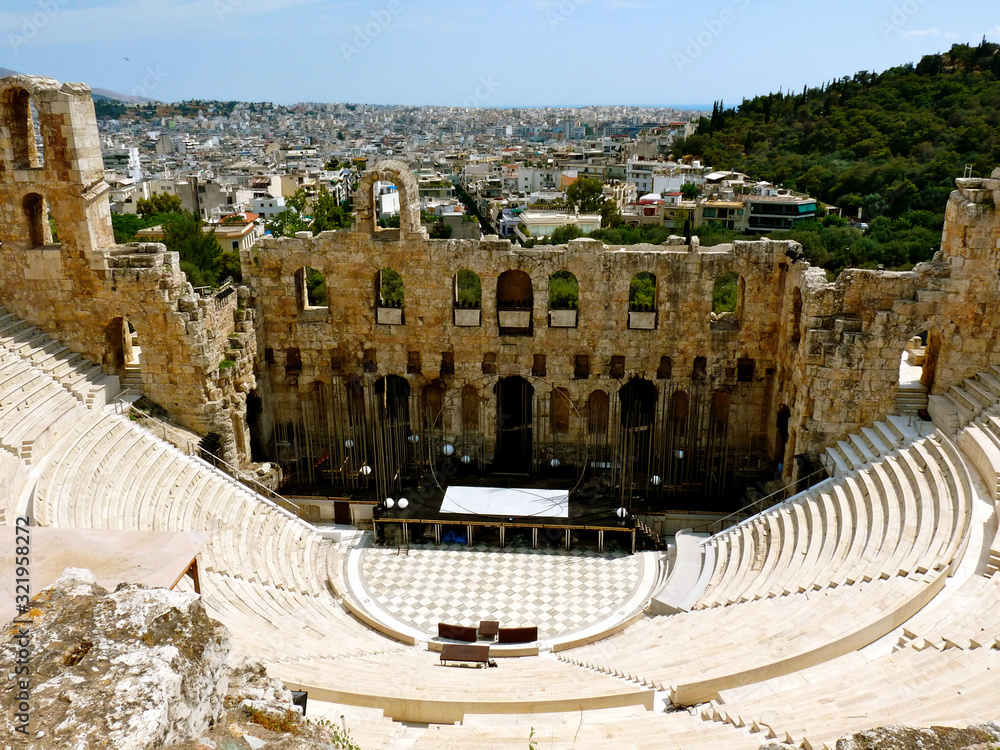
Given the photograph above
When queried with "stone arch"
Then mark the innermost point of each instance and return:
(36, 219)
(399, 175)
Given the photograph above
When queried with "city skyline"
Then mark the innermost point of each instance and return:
(538, 53)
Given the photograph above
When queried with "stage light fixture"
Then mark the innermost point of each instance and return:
(621, 513)
(365, 470)
(389, 502)
(413, 438)
(403, 502)
(680, 454)
(348, 443)
(554, 463)
(655, 480)
(466, 459)
(448, 449)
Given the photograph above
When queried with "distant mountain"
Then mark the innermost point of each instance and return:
(100, 95)
(104, 94)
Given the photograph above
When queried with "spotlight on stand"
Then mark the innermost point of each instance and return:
(448, 449)
(348, 443)
(655, 481)
(365, 470)
(466, 459)
(389, 502)
(622, 514)
(403, 502)
(680, 454)
(554, 463)
(414, 438)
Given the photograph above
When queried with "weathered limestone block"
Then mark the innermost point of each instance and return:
(132, 669)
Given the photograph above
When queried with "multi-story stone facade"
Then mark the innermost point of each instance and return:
(801, 362)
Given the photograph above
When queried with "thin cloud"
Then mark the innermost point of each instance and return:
(917, 33)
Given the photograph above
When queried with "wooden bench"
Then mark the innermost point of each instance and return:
(517, 635)
(465, 653)
(456, 632)
(489, 629)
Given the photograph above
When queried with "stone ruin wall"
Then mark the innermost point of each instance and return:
(831, 360)
(80, 288)
(834, 364)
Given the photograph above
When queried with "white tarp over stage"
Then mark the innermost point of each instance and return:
(500, 501)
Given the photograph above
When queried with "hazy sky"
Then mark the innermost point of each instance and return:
(501, 53)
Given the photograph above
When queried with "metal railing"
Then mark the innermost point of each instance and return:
(149, 422)
(244, 478)
(757, 505)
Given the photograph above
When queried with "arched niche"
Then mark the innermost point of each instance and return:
(598, 406)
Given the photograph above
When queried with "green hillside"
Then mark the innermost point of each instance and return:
(889, 143)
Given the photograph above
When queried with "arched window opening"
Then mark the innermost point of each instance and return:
(37, 221)
(642, 292)
(468, 298)
(559, 411)
(470, 408)
(564, 298)
(597, 413)
(20, 117)
(389, 295)
(315, 288)
(642, 301)
(726, 302)
(468, 290)
(515, 300)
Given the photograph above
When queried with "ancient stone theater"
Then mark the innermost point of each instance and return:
(666, 525)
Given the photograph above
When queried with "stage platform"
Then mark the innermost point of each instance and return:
(468, 511)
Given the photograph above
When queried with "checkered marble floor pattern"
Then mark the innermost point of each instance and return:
(560, 592)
